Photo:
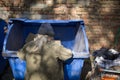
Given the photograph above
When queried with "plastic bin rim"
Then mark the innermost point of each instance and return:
(43, 20)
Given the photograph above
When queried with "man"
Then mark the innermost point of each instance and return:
(43, 55)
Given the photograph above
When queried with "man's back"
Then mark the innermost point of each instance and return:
(44, 63)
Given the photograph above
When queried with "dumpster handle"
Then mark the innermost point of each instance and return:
(8, 53)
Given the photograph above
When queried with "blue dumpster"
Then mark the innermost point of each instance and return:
(2, 35)
(65, 30)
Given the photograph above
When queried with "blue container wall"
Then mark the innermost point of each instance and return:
(64, 32)
(2, 35)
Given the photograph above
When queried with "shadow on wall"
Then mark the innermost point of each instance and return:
(101, 17)
(44, 9)
(103, 23)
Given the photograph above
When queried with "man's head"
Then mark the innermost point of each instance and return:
(46, 29)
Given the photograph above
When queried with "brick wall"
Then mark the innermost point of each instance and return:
(102, 17)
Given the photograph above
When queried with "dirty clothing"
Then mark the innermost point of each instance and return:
(43, 58)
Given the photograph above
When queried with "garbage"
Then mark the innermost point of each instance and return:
(107, 58)
(105, 65)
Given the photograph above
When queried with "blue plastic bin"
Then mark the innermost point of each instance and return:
(65, 30)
